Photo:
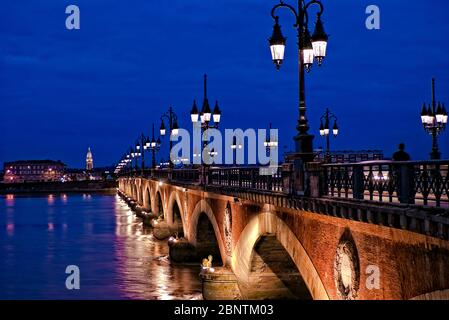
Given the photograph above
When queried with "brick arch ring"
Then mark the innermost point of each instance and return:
(154, 198)
(147, 197)
(268, 223)
(174, 196)
(203, 207)
(138, 191)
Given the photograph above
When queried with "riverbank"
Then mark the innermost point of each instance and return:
(108, 187)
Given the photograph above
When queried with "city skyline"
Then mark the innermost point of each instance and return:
(101, 86)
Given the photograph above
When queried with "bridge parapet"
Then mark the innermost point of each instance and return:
(411, 196)
(423, 182)
(253, 178)
(425, 220)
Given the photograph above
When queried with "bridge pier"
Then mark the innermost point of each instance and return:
(221, 284)
(182, 251)
(141, 212)
(162, 229)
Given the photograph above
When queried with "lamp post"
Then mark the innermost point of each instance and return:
(121, 164)
(154, 145)
(141, 147)
(434, 120)
(137, 153)
(325, 130)
(173, 127)
(130, 161)
(212, 153)
(234, 147)
(309, 48)
(207, 118)
(270, 143)
(133, 156)
(127, 161)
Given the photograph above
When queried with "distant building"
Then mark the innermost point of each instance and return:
(33, 171)
(349, 156)
(89, 160)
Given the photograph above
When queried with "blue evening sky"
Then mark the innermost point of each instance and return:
(64, 90)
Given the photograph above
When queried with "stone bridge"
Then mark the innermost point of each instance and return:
(269, 244)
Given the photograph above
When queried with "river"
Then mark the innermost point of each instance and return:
(118, 258)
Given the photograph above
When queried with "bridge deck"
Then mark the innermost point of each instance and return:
(411, 196)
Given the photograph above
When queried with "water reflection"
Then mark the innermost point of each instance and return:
(50, 199)
(138, 251)
(9, 200)
(118, 257)
(10, 229)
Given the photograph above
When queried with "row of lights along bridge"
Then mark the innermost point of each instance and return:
(310, 48)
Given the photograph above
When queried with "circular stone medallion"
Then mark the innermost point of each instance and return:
(347, 270)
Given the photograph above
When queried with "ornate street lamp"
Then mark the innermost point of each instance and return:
(277, 44)
(133, 154)
(173, 127)
(234, 147)
(310, 48)
(207, 118)
(325, 131)
(137, 154)
(269, 142)
(154, 146)
(434, 120)
(141, 147)
(121, 164)
(162, 129)
(213, 153)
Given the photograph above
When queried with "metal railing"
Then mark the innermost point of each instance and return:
(418, 182)
(421, 182)
(256, 178)
(186, 175)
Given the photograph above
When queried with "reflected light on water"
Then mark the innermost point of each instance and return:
(117, 254)
(87, 196)
(145, 266)
(9, 200)
(50, 199)
(10, 229)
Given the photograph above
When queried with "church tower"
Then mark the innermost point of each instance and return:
(89, 160)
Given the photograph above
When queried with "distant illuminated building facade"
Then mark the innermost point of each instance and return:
(89, 160)
(33, 171)
(349, 156)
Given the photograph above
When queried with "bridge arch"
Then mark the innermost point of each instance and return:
(130, 189)
(147, 198)
(138, 191)
(175, 212)
(159, 204)
(126, 186)
(268, 228)
(133, 191)
(204, 233)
